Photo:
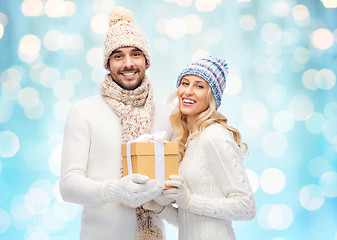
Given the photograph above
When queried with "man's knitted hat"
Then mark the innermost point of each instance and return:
(123, 33)
(213, 69)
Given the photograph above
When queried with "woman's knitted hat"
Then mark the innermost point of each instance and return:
(123, 33)
(214, 70)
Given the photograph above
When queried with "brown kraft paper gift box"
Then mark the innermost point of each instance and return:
(143, 159)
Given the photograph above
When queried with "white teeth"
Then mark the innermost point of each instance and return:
(128, 74)
(188, 101)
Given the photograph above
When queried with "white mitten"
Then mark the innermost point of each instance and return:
(180, 193)
(133, 190)
(162, 200)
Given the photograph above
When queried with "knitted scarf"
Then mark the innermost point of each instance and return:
(134, 107)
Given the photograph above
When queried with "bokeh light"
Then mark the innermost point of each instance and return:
(280, 94)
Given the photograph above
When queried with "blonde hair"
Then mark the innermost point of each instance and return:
(205, 119)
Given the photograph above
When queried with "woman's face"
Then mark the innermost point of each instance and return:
(192, 95)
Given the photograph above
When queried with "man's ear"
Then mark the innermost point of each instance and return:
(147, 65)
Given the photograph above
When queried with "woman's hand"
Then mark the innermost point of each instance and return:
(179, 193)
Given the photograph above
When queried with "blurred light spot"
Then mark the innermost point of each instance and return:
(97, 74)
(247, 22)
(65, 211)
(28, 97)
(1, 30)
(271, 33)
(301, 15)
(36, 111)
(59, 8)
(262, 216)
(95, 57)
(311, 197)
(275, 144)
(64, 90)
(73, 41)
(4, 221)
(193, 24)
(280, 217)
(43, 184)
(322, 38)
(10, 89)
(161, 44)
(329, 3)
(55, 160)
(328, 184)
(74, 75)
(32, 8)
(308, 79)
(9, 144)
(301, 107)
(175, 28)
(272, 180)
(330, 110)
(6, 110)
(37, 201)
(317, 166)
(29, 48)
(70, 9)
(6, 190)
(49, 77)
(254, 113)
(206, 5)
(99, 24)
(281, 9)
(330, 130)
(184, 3)
(200, 54)
(302, 55)
(235, 85)
(290, 36)
(37, 233)
(325, 79)
(53, 40)
(260, 64)
(102, 6)
(61, 109)
(213, 36)
(161, 25)
(3, 19)
(283, 121)
(315, 123)
(276, 95)
(21, 217)
(51, 222)
(253, 179)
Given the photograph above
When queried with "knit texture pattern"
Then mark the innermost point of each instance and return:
(214, 70)
(135, 108)
(123, 33)
(220, 190)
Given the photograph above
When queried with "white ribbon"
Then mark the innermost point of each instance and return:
(158, 138)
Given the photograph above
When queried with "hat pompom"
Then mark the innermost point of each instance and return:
(120, 14)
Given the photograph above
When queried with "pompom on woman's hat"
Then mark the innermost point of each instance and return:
(123, 33)
(214, 70)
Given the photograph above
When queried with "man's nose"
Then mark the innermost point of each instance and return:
(128, 62)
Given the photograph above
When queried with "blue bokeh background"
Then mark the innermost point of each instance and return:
(281, 94)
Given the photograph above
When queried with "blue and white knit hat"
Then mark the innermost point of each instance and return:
(213, 69)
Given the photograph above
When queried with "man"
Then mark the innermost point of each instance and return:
(95, 128)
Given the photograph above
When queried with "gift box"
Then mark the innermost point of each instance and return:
(157, 160)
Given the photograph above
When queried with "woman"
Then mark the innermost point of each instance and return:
(212, 188)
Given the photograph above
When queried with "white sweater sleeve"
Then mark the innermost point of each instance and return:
(75, 186)
(225, 160)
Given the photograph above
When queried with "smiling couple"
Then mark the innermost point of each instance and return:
(211, 189)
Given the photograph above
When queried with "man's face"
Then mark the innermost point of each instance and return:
(127, 67)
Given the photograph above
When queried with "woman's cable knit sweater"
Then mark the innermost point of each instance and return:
(91, 160)
(220, 190)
